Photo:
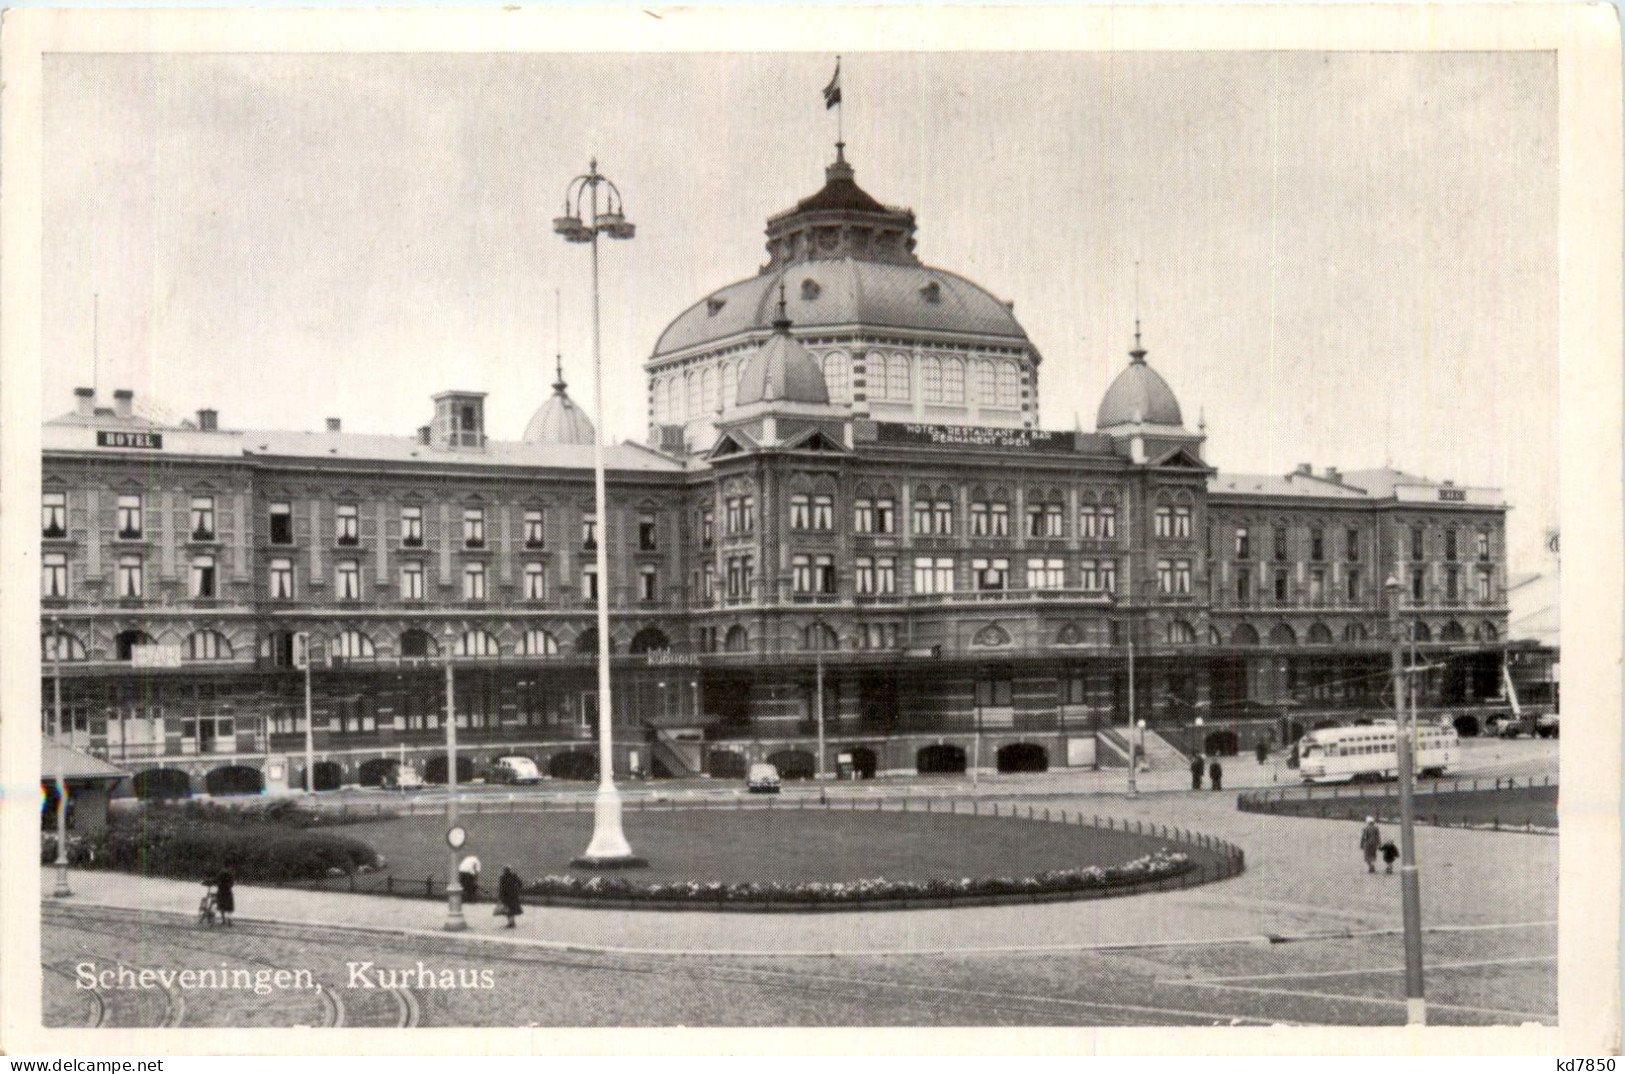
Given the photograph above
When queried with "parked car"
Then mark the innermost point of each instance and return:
(514, 769)
(762, 779)
(1545, 727)
(403, 777)
(1515, 727)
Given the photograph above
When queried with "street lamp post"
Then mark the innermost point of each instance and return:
(302, 642)
(608, 847)
(455, 922)
(1133, 750)
(61, 891)
(818, 694)
(1409, 880)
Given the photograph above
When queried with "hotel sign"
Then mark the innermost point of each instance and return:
(976, 436)
(123, 439)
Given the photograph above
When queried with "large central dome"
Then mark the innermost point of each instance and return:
(896, 340)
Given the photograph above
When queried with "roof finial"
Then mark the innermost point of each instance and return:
(782, 324)
(558, 347)
(1201, 419)
(1138, 353)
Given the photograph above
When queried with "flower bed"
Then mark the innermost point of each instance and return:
(1150, 869)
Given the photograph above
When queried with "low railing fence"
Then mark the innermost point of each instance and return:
(1358, 801)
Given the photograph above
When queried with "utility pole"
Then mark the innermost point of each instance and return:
(1409, 880)
(454, 889)
(1133, 752)
(61, 891)
(301, 643)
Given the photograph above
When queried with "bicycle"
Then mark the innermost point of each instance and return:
(208, 909)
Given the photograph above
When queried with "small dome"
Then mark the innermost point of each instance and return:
(559, 420)
(782, 370)
(1139, 394)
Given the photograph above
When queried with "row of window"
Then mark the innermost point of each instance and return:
(1282, 584)
(935, 518)
(888, 378)
(1318, 551)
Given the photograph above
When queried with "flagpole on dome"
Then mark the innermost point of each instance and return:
(832, 99)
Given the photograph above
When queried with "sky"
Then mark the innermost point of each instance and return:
(1338, 258)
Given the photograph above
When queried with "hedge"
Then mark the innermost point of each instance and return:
(161, 843)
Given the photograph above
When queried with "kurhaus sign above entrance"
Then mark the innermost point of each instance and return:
(975, 436)
(124, 439)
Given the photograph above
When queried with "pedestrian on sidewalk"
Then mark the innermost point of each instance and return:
(468, 874)
(1197, 764)
(1215, 775)
(1390, 854)
(508, 889)
(225, 899)
(1262, 750)
(1370, 843)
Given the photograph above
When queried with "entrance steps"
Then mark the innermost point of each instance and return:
(672, 757)
(1111, 748)
(1160, 753)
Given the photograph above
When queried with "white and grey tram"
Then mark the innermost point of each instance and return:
(1344, 754)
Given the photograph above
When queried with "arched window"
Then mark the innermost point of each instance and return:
(1420, 631)
(1009, 385)
(875, 374)
(986, 383)
(207, 645)
(1487, 632)
(418, 643)
(953, 381)
(61, 646)
(1320, 634)
(1453, 631)
(1354, 632)
(739, 375)
(897, 378)
(1244, 635)
(1283, 635)
(587, 642)
(736, 640)
(1181, 633)
(725, 383)
(650, 640)
(674, 399)
(129, 639)
(931, 379)
(538, 642)
(660, 401)
(353, 645)
(838, 376)
(708, 391)
(477, 644)
(692, 409)
(820, 636)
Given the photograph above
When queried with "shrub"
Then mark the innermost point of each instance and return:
(164, 843)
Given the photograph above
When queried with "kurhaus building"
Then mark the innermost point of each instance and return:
(845, 497)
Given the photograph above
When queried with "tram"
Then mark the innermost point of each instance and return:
(1344, 754)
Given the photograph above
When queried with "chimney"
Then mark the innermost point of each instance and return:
(1305, 469)
(208, 420)
(334, 425)
(84, 402)
(124, 403)
(1334, 475)
(423, 434)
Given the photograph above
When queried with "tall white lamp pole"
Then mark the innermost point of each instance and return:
(455, 922)
(1410, 884)
(61, 891)
(608, 848)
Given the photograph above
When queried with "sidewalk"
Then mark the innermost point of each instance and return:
(1303, 877)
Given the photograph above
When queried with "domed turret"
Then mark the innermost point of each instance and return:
(1139, 395)
(783, 370)
(559, 420)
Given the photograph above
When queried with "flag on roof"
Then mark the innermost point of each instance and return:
(832, 92)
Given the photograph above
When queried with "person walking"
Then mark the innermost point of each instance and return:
(508, 889)
(1197, 764)
(1390, 854)
(1262, 750)
(225, 898)
(1370, 843)
(468, 874)
(1215, 775)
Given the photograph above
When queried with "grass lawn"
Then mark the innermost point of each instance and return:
(1513, 808)
(782, 844)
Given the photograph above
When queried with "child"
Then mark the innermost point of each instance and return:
(1390, 854)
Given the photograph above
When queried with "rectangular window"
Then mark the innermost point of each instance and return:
(130, 577)
(993, 691)
(708, 528)
(978, 520)
(747, 507)
(349, 579)
(473, 527)
(203, 518)
(412, 527)
(203, 578)
(1417, 583)
(648, 583)
(863, 576)
(1244, 585)
(1317, 544)
(412, 581)
(747, 574)
(1001, 520)
(535, 581)
(54, 514)
(922, 517)
(863, 515)
(735, 577)
(535, 524)
(281, 579)
(1281, 585)
(1452, 585)
(885, 516)
(1280, 543)
(1182, 522)
(824, 574)
(129, 517)
(1046, 574)
(1165, 522)
(647, 541)
(1483, 545)
(801, 577)
(589, 583)
(54, 575)
(1450, 545)
(473, 581)
(933, 575)
(1352, 580)
(823, 514)
(1353, 545)
(1108, 523)
(1244, 543)
(1035, 520)
(991, 574)
(708, 581)
(1108, 576)
(1086, 523)
(1088, 574)
(589, 533)
(800, 512)
(1165, 576)
(1416, 543)
(1317, 587)
(1484, 586)
(1182, 576)
(347, 524)
(281, 515)
(885, 575)
(942, 518)
(734, 516)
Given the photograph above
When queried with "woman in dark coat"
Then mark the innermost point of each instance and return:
(508, 887)
(224, 899)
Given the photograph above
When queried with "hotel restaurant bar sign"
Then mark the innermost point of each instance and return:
(121, 438)
(973, 436)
